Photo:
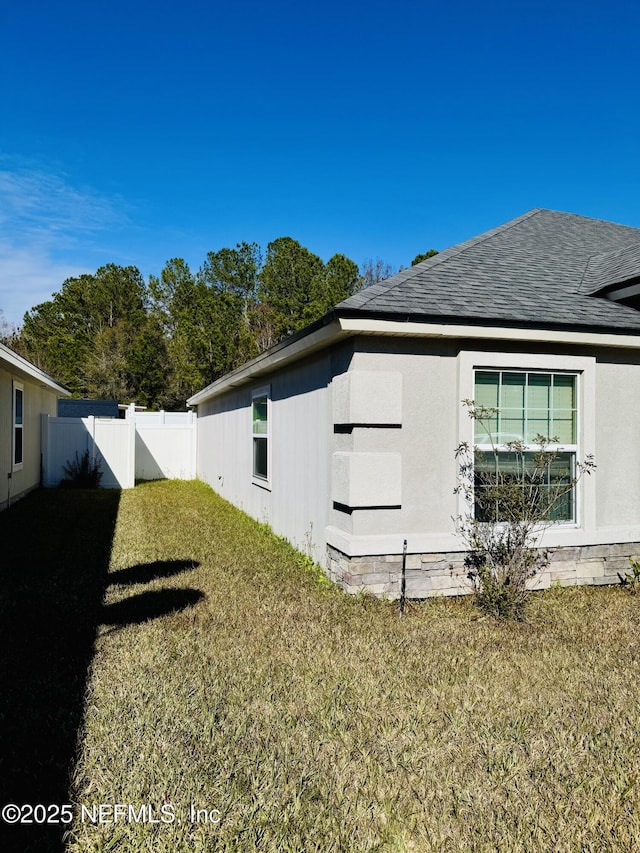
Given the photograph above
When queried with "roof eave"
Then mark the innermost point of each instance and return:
(28, 370)
(342, 324)
(314, 337)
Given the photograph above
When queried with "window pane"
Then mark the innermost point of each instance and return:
(511, 425)
(531, 404)
(486, 431)
(260, 457)
(564, 415)
(18, 407)
(564, 427)
(507, 485)
(560, 476)
(539, 391)
(564, 392)
(17, 446)
(486, 393)
(538, 423)
(260, 416)
(513, 385)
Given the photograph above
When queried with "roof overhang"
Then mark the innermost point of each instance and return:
(337, 328)
(23, 368)
(316, 337)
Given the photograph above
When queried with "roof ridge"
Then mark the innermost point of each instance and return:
(448, 253)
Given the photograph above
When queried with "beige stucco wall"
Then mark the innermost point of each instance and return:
(618, 441)
(37, 400)
(435, 377)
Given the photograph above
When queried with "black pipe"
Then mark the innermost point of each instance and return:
(403, 580)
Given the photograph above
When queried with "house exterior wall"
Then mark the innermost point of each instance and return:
(37, 400)
(362, 447)
(295, 500)
(366, 541)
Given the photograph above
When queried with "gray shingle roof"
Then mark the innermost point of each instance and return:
(538, 269)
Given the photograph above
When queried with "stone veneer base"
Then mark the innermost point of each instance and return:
(430, 575)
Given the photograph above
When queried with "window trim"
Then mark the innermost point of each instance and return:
(256, 479)
(16, 387)
(584, 367)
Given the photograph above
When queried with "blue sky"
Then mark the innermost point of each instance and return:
(140, 131)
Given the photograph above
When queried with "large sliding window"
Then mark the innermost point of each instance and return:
(261, 435)
(18, 426)
(526, 405)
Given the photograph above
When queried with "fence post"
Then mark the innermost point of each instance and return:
(92, 437)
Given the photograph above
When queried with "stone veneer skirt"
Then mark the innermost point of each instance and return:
(445, 574)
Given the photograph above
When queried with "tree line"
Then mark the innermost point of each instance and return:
(112, 335)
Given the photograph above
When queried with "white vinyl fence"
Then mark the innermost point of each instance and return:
(144, 446)
(165, 445)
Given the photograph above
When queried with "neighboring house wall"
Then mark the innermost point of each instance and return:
(294, 500)
(17, 480)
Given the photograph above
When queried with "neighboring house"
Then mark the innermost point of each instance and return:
(342, 438)
(83, 408)
(26, 393)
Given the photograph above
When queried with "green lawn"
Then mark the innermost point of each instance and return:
(226, 675)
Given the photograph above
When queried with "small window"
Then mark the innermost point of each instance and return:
(260, 434)
(18, 425)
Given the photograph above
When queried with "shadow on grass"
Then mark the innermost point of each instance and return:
(149, 605)
(145, 572)
(54, 565)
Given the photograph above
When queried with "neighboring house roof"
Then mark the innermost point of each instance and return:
(537, 269)
(25, 369)
(82, 408)
(540, 277)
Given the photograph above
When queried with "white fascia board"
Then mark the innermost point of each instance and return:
(20, 365)
(344, 327)
(363, 326)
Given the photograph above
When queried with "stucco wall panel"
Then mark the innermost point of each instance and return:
(425, 440)
(367, 397)
(617, 443)
(367, 479)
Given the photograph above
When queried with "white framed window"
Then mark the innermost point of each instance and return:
(17, 418)
(261, 436)
(513, 359)
(526, 404)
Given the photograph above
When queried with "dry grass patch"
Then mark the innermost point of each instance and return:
(318, 722)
